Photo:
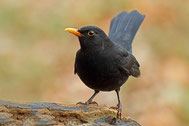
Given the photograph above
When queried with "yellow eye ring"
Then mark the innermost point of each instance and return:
(91, 33)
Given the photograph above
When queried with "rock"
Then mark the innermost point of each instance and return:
(48, 114)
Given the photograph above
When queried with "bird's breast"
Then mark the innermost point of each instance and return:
(95, 64)
(98, 71)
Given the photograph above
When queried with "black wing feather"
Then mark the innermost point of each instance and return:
(128, 64)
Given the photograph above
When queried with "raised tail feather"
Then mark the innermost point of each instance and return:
(124, 27)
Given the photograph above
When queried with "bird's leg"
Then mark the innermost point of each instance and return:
(118, 107)
(90, 101)
(119, 113)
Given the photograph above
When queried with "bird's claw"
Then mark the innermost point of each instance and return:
(93, 103)
(119, 113)
(87, 103)
(119, 110)
(115, 108)
(80, 103)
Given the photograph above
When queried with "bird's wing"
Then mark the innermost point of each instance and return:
(124, 27)
(75, 64)
(75, 68)
(128, 64)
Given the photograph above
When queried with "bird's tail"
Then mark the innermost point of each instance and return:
(124, 27)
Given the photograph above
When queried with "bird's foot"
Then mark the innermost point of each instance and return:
(119, 110)
(87, 103)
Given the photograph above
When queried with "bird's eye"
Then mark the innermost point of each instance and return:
(91, 33)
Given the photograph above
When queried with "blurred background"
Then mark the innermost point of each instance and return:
(37, 55)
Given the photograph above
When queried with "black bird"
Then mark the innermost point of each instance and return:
(103, 62)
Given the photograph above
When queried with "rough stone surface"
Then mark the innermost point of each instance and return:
(50, 114)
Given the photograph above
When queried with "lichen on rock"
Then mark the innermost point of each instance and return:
(47, 114)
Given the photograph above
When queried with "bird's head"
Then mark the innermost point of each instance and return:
(90, 37)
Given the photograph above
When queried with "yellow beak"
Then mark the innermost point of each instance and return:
(74, 31)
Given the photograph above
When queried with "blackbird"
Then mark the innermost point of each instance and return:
(103, 62)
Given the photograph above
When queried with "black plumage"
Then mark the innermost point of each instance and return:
(103, 62)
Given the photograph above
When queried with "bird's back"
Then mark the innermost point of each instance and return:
(124, 27)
